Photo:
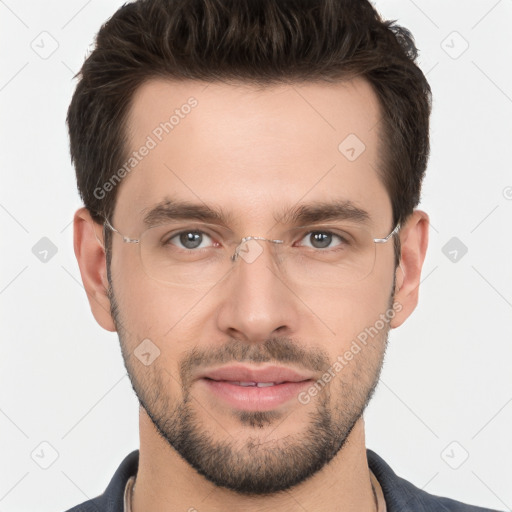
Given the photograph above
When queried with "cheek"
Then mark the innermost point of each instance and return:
(148, 308)
(165, 317)
(349, 311)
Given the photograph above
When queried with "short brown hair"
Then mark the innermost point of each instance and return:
(255, 41)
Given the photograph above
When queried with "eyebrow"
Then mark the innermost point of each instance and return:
(324, 211)
(168, 210)
(171, 209)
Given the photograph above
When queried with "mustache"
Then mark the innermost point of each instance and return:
(276, 350)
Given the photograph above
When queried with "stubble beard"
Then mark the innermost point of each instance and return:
(256, 465)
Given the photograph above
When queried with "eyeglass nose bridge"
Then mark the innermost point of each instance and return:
(244, 240)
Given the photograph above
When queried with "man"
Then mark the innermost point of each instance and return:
(250, 172)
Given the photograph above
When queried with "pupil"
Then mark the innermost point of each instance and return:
(321, 240)
(191, 240)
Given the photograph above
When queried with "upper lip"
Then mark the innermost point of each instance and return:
(240, 373)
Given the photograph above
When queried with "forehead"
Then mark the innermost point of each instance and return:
(252, 150)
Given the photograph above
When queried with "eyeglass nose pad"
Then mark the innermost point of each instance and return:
(235, 255)
(241, 245)
(250, 258)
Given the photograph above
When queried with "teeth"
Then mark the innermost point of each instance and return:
(255, 384)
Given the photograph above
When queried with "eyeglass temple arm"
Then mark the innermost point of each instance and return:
(384, 240)
(126, 239)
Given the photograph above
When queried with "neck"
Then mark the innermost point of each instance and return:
(166, 482)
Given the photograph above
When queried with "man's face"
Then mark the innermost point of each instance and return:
(253, 155)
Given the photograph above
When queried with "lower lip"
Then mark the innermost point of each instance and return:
(253, 398)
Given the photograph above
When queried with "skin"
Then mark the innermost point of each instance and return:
(252, 152)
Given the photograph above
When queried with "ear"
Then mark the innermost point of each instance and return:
(414, 242)
(90, 253)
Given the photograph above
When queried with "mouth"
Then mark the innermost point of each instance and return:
(254, 384)
(254, 388)
(247, 374)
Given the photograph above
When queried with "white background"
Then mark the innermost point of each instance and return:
(447, 374)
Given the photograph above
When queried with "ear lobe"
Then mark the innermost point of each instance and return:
(90, 254)
(414, 242)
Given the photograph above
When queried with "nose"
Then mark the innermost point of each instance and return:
(256, 302)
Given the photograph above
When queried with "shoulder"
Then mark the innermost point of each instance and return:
(95, 505)
(112, 500)
(401, 495)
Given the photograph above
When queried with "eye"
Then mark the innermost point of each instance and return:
(191, 239)
(322, 240)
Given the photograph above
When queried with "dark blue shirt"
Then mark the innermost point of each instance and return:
(400, 495)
